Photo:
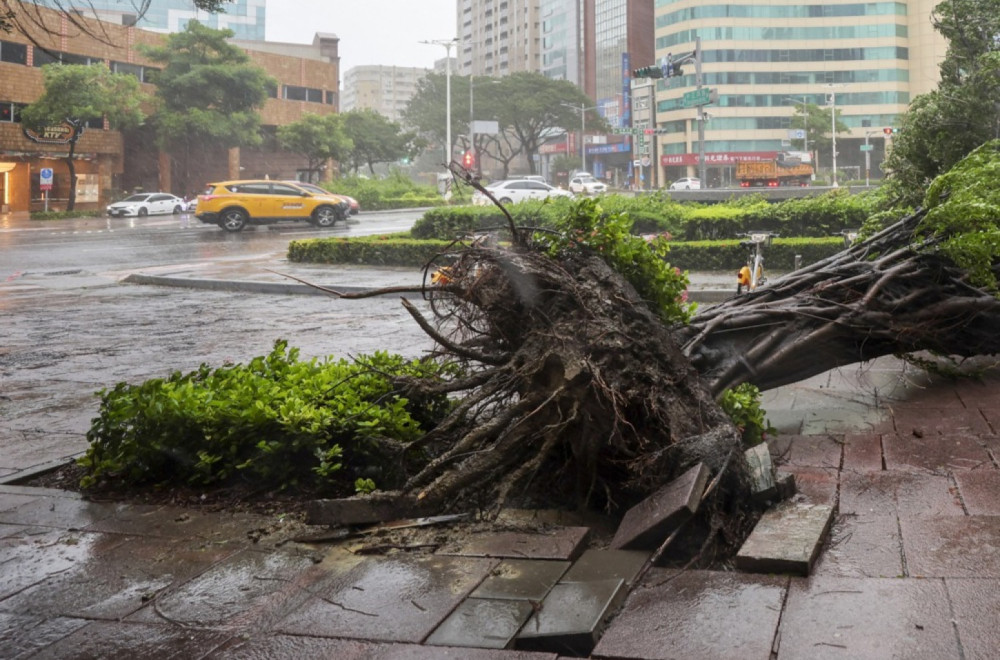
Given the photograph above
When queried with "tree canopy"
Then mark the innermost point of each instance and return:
(318, 138)
(527, 107)
(815, 120)
(377, 139)
(77, 94)
(208, 92)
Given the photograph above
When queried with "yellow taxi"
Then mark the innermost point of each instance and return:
(234, 204)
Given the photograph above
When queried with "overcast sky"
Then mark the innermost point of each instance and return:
(370, 31)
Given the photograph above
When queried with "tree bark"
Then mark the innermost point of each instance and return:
(888, 295)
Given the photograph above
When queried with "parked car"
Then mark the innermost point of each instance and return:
(234, 204)
(687, 183)
(586, 184)
(143, 204)
(534, 177)
(355, 208)
(513, 191)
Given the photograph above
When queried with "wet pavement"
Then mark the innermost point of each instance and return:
(911, 568)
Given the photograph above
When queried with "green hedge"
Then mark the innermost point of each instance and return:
(65, 215)
(372, 251)
(694, 255)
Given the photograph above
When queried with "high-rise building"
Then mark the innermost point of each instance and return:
(498, 37)
(562, 40)
(384, 89)
(245, 18)
(763, 59)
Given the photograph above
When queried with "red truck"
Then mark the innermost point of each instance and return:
(785, 169)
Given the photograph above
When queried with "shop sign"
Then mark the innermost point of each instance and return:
(717, 158)
(63, 133)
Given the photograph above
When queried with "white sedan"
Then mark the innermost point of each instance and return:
(143, 204)
(587, 185)
(686, 184)
(517, 190)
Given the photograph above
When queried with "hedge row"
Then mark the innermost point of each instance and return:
(823, 215)
(694, 256)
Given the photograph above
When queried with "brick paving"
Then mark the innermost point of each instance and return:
(911, 568)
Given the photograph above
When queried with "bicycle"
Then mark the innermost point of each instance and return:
(752, 274)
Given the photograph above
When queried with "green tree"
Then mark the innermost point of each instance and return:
(941, 127)
(208, 91)
(815, 120)
(318, 138)
(376, 139)
(76, 94)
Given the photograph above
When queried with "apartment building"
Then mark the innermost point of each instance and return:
(498, 37)
(764, 59)
(107, 161)
(384, 89)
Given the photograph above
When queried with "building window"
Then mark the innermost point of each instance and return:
(13, 53)
(10, 112)
(308, 94)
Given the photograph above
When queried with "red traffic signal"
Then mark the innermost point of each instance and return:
(469, 159)
(890, 131)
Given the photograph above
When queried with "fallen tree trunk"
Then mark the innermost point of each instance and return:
(888, 295)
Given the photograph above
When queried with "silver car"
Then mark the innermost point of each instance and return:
(513, 191)
(143, 204)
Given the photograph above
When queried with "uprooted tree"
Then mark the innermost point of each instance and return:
(586, 383)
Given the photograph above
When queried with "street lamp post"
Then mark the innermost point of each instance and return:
(833, 130)
(868, 157)
(448, 45)
(805, 121)
(583, 129)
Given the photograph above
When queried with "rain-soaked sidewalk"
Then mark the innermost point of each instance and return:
(911, 568)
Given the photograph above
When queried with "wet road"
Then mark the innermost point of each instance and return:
(69, 327)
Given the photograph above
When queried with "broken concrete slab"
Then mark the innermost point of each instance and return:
(521, 579)
(787, 539)
(762, 482)
(485, 623)
(598, 564)
(649, 522)
(556, 543)
(572, 617)
(363, 510)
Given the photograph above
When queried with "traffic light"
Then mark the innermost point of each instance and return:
(647, 72)
(469, 159)
(890, 131)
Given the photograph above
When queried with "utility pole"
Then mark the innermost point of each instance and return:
(701, 114)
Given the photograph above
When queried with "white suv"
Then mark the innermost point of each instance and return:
(586, 184)
(518, 190)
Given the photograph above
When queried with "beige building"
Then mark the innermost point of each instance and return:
(763, 59)
(384, 89)
(108, 162)
(498, 37)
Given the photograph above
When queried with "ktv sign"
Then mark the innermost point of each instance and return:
(63, 133)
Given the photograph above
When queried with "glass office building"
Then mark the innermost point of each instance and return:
(244, 17)
(764, 59)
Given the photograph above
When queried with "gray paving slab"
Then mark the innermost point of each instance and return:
(391, 599)
(865, 492)
(867, 619)
(697, 615)
(22, 635)
(39, 552)
(521, 579)
(554, 543)
(977, 617)
(863, 452)
(50, 509)
(817, 451)
(814, 485)
(602, 564)
(299, 647)
(117, 577)
(980, 491)
(646, 525)
(862, 545)
(127, 641)
(487, 623)
(786, 539)
(952, 546)
(763, 485)
(925, 420)
(572, 617)
(935, 453)
(245, 591)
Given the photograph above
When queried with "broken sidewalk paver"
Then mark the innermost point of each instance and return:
(934, 453)
(647, 524)
(521, 579)
(762, 482)
(704, 615)
(952, 546)
(392, 599)
(786, 539)
(487, 623)
(572, 617)
(598, 564)
(980, 491)
(555, 543)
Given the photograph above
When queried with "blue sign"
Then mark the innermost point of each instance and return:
(45, 178)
